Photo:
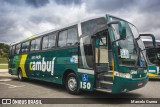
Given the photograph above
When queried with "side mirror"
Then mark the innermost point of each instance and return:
(151, 35)
(121, 29)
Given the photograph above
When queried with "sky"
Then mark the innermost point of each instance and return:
(20, 19)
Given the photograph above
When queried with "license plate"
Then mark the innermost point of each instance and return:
(140, 83)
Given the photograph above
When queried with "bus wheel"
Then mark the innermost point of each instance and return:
(72, 84)
(20, 77)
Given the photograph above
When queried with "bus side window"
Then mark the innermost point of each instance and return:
(32, 45)
(45, 43)
(25, 47)
(72, 36)
(51, 40)
(18, 48)
(38, 44)
(35, 44)
(22, 50)
(10, 51)
(62, 38)
(68, 37)
(13, 49)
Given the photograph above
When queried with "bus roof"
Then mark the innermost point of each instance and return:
(58, 28)
(64, 26)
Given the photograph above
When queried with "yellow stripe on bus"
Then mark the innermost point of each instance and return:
(152, 75)
(32, 37)
(22, 65)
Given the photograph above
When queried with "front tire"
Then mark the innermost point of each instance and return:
(72, 84)
(20, 76)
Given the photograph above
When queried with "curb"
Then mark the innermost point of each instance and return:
(3, 64)
(3, 70)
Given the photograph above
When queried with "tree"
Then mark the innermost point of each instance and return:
(4, 50)
(1, 52)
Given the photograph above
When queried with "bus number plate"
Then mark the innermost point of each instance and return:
(140, 83)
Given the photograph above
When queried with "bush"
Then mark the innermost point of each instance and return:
(3, 60)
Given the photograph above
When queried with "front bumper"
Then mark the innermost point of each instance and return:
(124, 84)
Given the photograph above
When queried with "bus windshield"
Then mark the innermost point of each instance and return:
(152, 56)
(128, 54)
(158, 49)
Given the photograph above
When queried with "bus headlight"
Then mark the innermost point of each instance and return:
(152, 71)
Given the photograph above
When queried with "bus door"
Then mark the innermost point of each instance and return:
(15, 59)
(103, 61)
(11, 64)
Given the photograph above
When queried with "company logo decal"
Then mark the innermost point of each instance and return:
(42, 65)
(74, 59)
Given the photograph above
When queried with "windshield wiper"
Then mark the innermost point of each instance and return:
(139, 58)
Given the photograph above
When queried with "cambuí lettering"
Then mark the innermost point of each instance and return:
(42, 65)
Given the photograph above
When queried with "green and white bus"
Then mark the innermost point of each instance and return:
(100, 53)
(153, 55)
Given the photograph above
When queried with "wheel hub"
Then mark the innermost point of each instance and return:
(72, 83)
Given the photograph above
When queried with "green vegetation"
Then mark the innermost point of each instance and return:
(4, 50)
(3, 60)
(4, 53)
(3, 66)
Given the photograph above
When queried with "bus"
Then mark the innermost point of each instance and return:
(153, 55)
(98, 53)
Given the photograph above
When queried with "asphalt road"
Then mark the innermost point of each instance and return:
(10, 87)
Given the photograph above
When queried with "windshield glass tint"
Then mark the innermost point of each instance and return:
(151, 53)
(142, 47)
(158, 49)
(134, 30)
(127, 50)
(140, 43)
(158, 53)
(126, 53)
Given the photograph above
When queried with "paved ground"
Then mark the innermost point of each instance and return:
(10, 87)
